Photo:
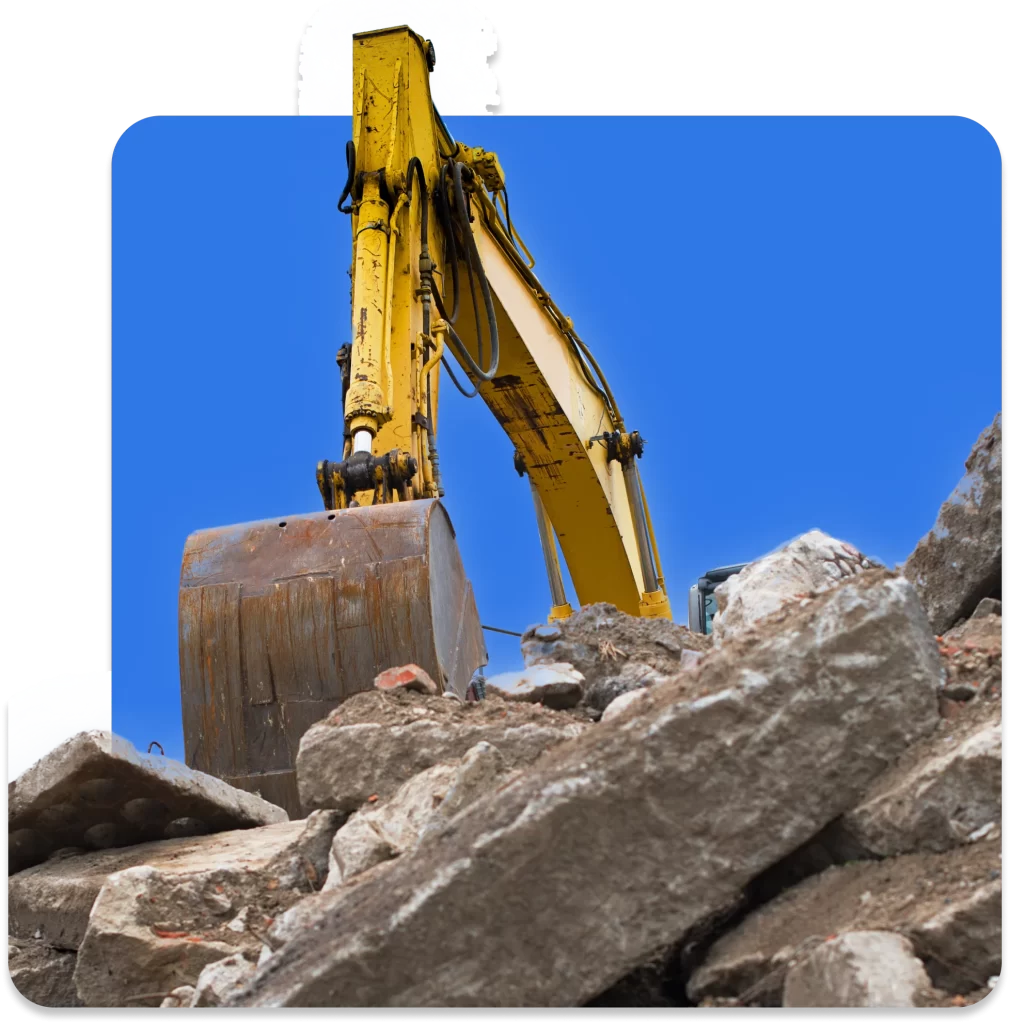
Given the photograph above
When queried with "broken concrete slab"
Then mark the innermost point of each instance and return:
(859, 969)
(807, 565)
(156, 926)
(407, 677)
(952, 898)
(556, 686)
(758, 747)
(54, 900)
(598, 639)
(940, 791)
(958, 563)
(95, 791)
(42, 974)
(986, 607)
(375, 741)
(382, 830)
(961, 944)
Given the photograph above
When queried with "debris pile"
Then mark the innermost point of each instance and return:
(803, 810)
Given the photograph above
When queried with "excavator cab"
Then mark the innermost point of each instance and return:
(701, 601)
(281, 620)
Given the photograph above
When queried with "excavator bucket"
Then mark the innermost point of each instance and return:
(281, 620)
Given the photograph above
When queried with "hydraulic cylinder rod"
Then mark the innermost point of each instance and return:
(561, 608)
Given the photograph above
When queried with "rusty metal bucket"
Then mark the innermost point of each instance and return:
(281, 620)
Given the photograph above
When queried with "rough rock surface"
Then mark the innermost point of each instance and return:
(154, 928)
(946, 904)
(632, 675)
(374, 742)
(598, 639)
(859, 969)
(550, 889)
(179, 997)
(388, 829)
(53, 901)
(42, 974)
(622, 701)
(958, 563)
(556, 686)
(222, 979)
(806, 565)
(940, 791)
(96, 791)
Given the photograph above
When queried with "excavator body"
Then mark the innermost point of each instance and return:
(281, 620)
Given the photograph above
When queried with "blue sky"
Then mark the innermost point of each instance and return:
(800, 315)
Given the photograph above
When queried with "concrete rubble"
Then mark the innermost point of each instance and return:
(859, 969)
(939, 793)
(803, 810)
(375, 741)
(958, 563)
(41, 973)
(947, 905)
(155, 926)
(382, 830)
(688, 752)
(806, 565)
(612, 651)
(96, 791)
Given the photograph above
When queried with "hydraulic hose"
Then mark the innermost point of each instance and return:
(349, 184)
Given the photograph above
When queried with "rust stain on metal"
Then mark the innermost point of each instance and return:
(279, 624)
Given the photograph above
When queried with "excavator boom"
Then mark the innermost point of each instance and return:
(282, 620)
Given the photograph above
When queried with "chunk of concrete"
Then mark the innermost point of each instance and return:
(53, 900)
(389, 829)
(962, 942)
(179, 997)
(806, 565)
(859, 969)
(374, 742)
(958, 563)
(222, 979)
(154, 928)
(555, 686)
(946, 904)
(96, 791)
(619, 703)
(42, 974)
(549, 890)
(938, 793)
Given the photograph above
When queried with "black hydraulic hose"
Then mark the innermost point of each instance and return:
(473, 260)
(446, 219)
(414, 170)
(349, 153)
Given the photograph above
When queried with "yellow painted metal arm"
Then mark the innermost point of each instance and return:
(547, 391)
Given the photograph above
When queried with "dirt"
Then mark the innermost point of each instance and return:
(400, 707)
(599, 633)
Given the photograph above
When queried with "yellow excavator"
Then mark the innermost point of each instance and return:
(281, 620)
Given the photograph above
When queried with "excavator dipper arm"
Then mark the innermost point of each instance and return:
(437, 269)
